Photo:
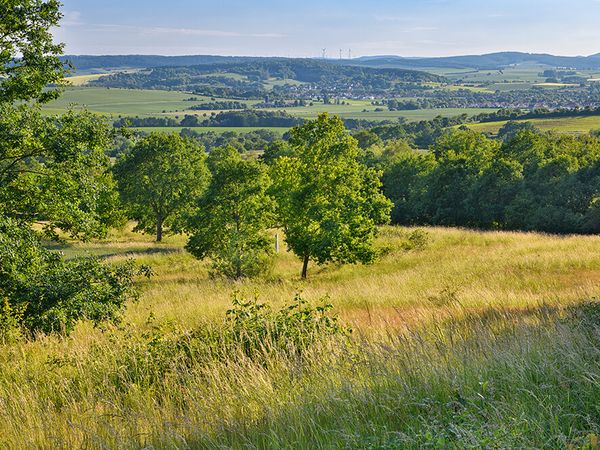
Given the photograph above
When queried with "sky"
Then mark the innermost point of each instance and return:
(302, 28)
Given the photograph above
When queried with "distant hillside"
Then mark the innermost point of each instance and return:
(492, 61)
(251, 78)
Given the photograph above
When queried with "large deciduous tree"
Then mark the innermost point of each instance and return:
(234, 215)
(329, 203)
(160, 180)
(29, 57)
(54, 171)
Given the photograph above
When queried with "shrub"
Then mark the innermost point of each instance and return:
(43, 292)
(250, 330)
(298, 325)
(10, 320)
(416, 240)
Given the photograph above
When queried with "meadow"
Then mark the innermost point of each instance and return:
(156, 103)
(120, 101)
(569, 125)
(460, 339)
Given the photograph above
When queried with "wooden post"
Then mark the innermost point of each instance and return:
(276, 242)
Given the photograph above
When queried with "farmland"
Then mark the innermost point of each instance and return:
(569, 125)
(462, 340)
(156, 103)
(120, 101)
(278, 130)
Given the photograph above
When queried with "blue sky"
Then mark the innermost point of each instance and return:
(303, 28)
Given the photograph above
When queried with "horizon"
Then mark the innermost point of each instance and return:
(431, 28)
(333, 58)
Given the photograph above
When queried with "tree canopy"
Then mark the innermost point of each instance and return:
(160, 181)
(233, 216)
(530, 181)
(29, 57)
(329, 203)
(53, 171)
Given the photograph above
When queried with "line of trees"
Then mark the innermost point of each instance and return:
(528, 181)
(315, 187)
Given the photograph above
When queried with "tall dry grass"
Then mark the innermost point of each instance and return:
(476, 340)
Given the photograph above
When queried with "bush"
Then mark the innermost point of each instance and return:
(416, 240)
(43, 292)
(296, 326)
(250, 330)
(10, 320)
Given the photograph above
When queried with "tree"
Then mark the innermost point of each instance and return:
(160, 180)
(462, 156)
(366, 139)
(53, 170)
(233, 216)
(328, 202)
(29, 58)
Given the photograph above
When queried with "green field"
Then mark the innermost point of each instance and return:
(356, 110)
(570, 125)
(476, 340)
(156, 103)
(82, 80)
(127, 102)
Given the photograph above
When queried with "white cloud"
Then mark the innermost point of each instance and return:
(71, 19)
(208, 33)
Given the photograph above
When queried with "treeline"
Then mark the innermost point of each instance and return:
(428, 97)
(251, 141)
(420, 134)
(213, 106)
(146, 122)
(244, 118)
(314, 187)
(531, 182)
(537, 113)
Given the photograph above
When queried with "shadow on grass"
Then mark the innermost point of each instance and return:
(71, 252)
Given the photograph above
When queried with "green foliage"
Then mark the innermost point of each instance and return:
(511, 128)
(28, 56)
(233, 216)
(366, 139)
(42, 292)
(10, 321)
(296, 326)
(531, 181)
(329, 203)
(416, 240)
(251, 331)
(55, 170)
(160, 180)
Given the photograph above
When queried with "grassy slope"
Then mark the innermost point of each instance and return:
(471, 340)
(573, 125)
(121, 101)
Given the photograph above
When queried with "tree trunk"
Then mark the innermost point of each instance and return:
(159, 229)
(305, 268)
